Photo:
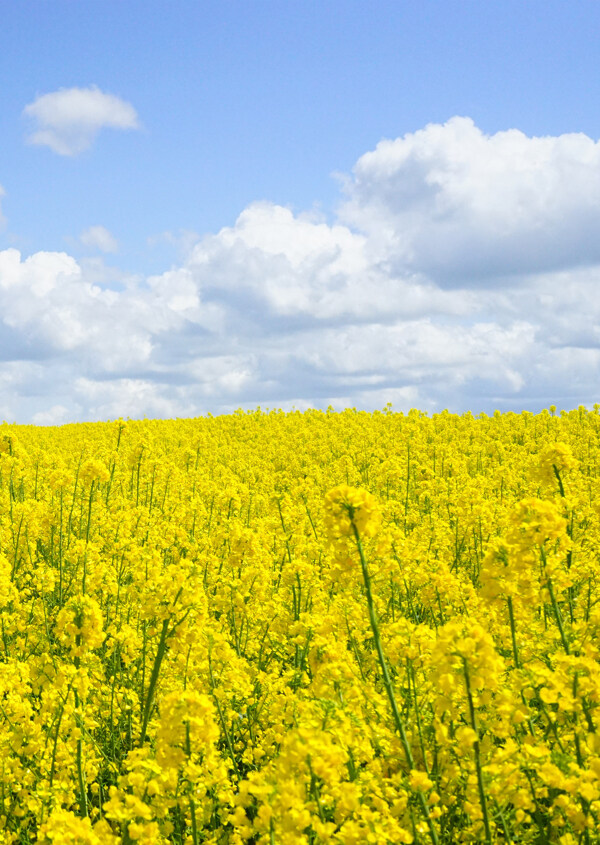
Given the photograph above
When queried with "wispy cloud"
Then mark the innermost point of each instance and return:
(98, 237)
(69, 119)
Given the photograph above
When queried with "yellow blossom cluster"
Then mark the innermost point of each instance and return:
(347, 508)
(79, 625)
(301, 628)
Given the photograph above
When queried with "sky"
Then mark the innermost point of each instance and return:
(292, 204)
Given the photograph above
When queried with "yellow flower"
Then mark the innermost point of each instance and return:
(93, 470)
(65, 828)
(556, 457)
(536, 522)
(419, 781)
(79, 625)
(346, 507)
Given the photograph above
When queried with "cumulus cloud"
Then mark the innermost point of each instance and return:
(47, 299)
(98, 237)
(461, 272)
(69, 119)
(272, 265)
(467, 208)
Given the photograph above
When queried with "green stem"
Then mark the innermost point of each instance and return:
(500, 814)
(60, 553)
(411, 677)
(511, 617)
(188, 748)
(561, 487)
(87, 537)
(513, 634)
(558, 617)
(228, 741)
(160, 653)
(476, 749)
(570, 536)
(83, 807)
(56, 735)
(387, 681)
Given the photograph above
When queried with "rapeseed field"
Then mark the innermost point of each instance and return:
(300, 628)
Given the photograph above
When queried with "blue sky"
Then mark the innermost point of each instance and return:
(234, 232)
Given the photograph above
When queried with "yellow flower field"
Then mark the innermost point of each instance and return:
(300, 628)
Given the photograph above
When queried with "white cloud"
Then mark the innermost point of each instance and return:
(127, 397)
(276, 265)
(467, 208)
(56, 415)
(98, 237)
(69, 119)
(462, 272)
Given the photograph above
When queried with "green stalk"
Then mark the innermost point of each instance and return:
(410, 671)
(160, 653)
(188, 749)
(60, 552)
(87, 537)
(513, 634)
(55, 743)
(473, 715)
(558, 617)
(569, 535)
(83, 807)
(387, 681)
(511, 616)
(228, 739)
(507, 835)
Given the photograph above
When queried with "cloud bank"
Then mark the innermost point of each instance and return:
(69, 119)
(461, 272)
